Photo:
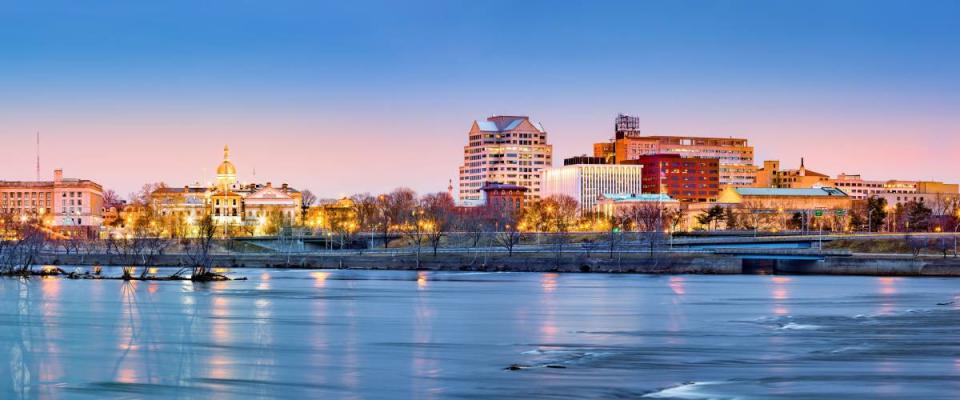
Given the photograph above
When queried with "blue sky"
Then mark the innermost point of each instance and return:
(302, 89)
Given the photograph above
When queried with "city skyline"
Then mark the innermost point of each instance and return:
(333, 98)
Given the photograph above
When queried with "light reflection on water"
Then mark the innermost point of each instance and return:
(355, 334)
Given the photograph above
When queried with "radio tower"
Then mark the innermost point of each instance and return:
(38, 156)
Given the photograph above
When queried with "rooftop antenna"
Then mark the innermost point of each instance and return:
(38, 156)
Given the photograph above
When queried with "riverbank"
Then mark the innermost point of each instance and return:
(642, 263)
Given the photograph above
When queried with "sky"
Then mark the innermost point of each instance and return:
(365, 96)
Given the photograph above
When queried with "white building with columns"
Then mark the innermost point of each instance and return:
(587, 182)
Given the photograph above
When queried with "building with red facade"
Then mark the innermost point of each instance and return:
(502, 196)
(686, 179)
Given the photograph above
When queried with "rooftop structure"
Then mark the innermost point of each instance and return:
(734, 154)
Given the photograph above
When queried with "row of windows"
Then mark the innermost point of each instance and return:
(25, 203)
(36, 195)
(37, 210)
(25, 195)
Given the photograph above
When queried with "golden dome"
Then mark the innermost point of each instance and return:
(226, 167)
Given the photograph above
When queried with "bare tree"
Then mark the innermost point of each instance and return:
(198, 249)
(508, 233)
(308, 198)
(475, 224)
(365, 210)
(395, 210)
(23, 243)
(112, 199)
(439, 217)
(647, 220)
(344, 225)
(145, 194)
(615, 234)
(561, 214)
(414, 228)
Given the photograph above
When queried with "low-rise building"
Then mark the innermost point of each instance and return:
(686, 179)
(771, 176)
(60, 203)
(925, 187)
(938, 202)
(586, 182)
(615, 204)
(787, 199)
(857, 187)
(504, 196)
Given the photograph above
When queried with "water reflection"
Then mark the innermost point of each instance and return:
(780, 294)
(676, 285)
(549, 282)
(131, 364)
(421, 280)
(424, 367)
(264, 281)
(319, 279)
(548, 325)
(887, 286)
(677, 316)
(50, 367)
(373, 335)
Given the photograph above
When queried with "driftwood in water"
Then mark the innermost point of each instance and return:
(127, 276)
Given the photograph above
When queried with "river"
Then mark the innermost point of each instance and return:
(435, 335)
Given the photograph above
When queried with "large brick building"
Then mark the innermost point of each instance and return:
(735, 155)
(686, 179)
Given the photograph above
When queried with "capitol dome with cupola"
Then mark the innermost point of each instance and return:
(226, 172)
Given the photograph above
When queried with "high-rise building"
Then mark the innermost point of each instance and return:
(63, 202)
(735, 155)
(510, 150)
(686, 179)
(587, 182)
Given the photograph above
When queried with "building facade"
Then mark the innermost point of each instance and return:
(787, 200)
(251, 207)
(62, 202)
(735, 155)
(615, 204)
(686, 179)
(506, 149)
(857, 187)
(587, 182)
(501, 196)
(771, 176)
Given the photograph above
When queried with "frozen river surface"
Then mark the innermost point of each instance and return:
(409, 335)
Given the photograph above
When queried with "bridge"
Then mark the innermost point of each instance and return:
(759, 260)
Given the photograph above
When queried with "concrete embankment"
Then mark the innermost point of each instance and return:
(883, 266)
(629, 263)
(677, 263)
